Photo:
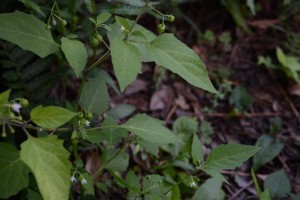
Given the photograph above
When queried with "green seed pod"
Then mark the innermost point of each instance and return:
(161, 28)
(48, 27)
(99, 38)
(80, 115)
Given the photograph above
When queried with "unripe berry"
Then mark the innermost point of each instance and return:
(24, 103)
(94, 42)
(88, 115)
(99, 38)
(80, 115)
(64, 22)
(171, 18)
(161, 28)
(48, 27)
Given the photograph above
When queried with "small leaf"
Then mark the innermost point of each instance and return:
(169, 52)
(265, 195)
(49, 163)
(185, 125)
(94, 97)
(89, 187)
(33, 6)
(228, 156)
(281, 56)
(51, 116)
(270, 148)
(278, 183)
(197, 150)
(13, 172)
(240, 98)
(126, 60)
(4, 109)
(75, 53)
(133, 180)
(103, 17)
(28, 32)
(123, 22)
(211, 189)
(150, 130)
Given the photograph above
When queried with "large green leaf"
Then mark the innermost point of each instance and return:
(278, 184)
(115, 160)
(211, 189)
(75, 53)
(126, 60)
(270, 148)
(228, 156)
(28, 32)
(51, 116)
(13, 172)
(94, 97)
(48, 161)
(150, 129)
(167, 51)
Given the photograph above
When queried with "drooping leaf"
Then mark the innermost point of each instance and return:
(278, 183)
(94, 97)
(270, 148)
(48, 161)
(211, 189)
(169, 52)
(126, 60)
(75, 53)
(150, 130)
(89, 187)
(13, 172)
(51, 116)
(197, 150)
(28, 32)
(228, 156)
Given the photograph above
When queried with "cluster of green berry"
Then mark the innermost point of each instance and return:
(162, 27)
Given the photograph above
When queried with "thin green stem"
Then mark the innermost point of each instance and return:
(59, 15)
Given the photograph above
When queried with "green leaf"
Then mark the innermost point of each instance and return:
(33, 6)
(265, 195)
(278, 183)
(228, 156)
(133, 180)
(89, 187)
(119, 160)
(251, 5)
(281, 56)
(49, 163)
(211, 189)
(75, 53)
(126, 60)
(150, 130)
(169, 52)
(28, 32)
(197, 150)
(94, 97)
(13, 172)
(51, 116)
(270, 148)
(149, 146)
(123, 22)
(185, 125)
(109, 133)
(121, 111)
(103, 17)
(295, 196)
(33, 195)
(240, 98)
(120, 181)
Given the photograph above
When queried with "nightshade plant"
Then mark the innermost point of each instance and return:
(55, 134)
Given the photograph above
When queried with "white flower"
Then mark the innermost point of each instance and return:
(54, 22)
(122, 29)
(16, 107)
(73, 179)
(83, 181)
(87, 123)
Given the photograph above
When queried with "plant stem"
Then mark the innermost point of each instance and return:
(58, 13)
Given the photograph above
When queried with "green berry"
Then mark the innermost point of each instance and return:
(94, 42)
(171, 18)
(24, 103)
(64, 22)
(48, 27)
(88, 115)
(3, 134)
(161, 28)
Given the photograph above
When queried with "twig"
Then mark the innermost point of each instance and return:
(240, 190)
